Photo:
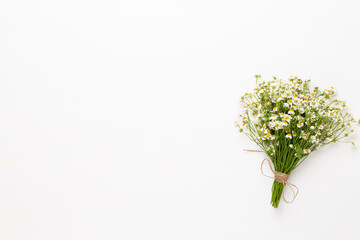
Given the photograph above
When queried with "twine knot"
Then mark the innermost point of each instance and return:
(281, 177)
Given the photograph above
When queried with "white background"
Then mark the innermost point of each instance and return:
(117, 119)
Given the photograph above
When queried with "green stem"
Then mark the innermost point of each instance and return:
(277, 190)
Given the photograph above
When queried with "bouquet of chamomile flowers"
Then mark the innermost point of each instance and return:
(288, 120)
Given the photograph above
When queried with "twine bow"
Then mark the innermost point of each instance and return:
(278, 176)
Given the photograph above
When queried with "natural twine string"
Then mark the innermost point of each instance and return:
(278, 176)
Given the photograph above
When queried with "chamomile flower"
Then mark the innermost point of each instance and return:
(300, 125)
(287, 117)
(284, 123)
(273, 117)
(331, 114)
(288, 136)
(267, 136)
(307, 151)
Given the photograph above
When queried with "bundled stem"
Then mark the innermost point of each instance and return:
(277, 191)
